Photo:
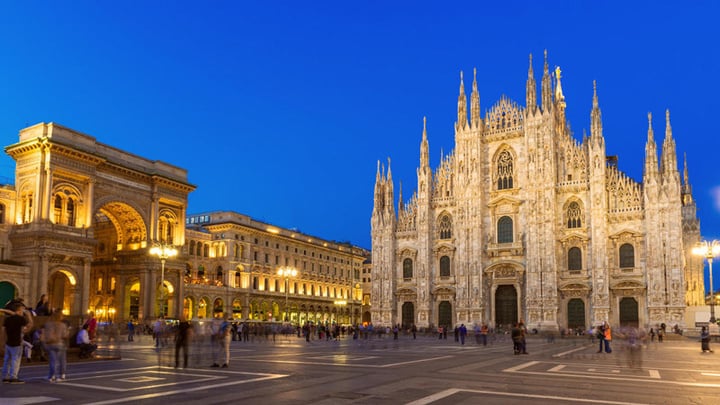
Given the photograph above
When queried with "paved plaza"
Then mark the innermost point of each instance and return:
(386, 371)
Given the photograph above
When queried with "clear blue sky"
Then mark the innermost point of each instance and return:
(281, 110)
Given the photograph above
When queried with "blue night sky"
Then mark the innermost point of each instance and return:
(281, 111)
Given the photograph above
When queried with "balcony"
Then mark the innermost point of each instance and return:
(505, 249)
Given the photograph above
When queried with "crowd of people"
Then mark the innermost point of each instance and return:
(50, 338)
(45, 333)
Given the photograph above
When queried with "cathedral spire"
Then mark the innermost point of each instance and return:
(560, 101)
(475, 102)
(651, 164)
(424, 147)
(400, 200)
(668, 164)
(596, 132)
(462, 106)
(389, 194)
(686, 187)
(531, 90)
(546, 87)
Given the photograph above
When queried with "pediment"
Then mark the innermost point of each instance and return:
(626, 233)
(504, 200)
(575, 235)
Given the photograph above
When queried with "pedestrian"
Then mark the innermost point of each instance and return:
(216, 340)
(456, 332)
(483, 333)
(395, 332)
(131, 331)
(158, 330)
(87, 347)
(634, 338)
(54, 336)
(516, 337)
(652, 334)
(414, 331)
(661, 333)
(705, 340)
(463, 332)
(27, 346)
(182, 341)
(42, 308)
(226, 330)
(601, 337)
(17, 319)
(607, 337)
(523, 333)
(92, 326)
(440, 332)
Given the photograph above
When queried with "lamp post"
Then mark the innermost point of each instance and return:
(164, 252)
(709, 249)
(287, 273)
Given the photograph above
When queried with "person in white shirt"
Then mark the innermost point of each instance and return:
(83, 341)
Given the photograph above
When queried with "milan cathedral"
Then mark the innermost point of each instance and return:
(523, 222)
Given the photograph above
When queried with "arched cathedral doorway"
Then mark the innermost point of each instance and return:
(506, 307)
(445, 314)
(408, 314)
(576, 314)
(629, 312)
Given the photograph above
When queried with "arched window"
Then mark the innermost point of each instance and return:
(505, 230)
(206, 250)
(58, 209)
(198, 252)
(627, 256)
(574, 259)
(505, 171)
(407, 268)
(445, 227)
(166, 226)
(70, 212)
(444, 266)
(574, 216)
(191, 249)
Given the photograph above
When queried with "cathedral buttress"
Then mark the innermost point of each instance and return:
(383, 224)
(597, 223)
(424, 264)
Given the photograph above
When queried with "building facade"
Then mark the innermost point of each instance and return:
(81, 221)
(523, 222)
(232, 267)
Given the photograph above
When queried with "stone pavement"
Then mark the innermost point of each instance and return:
(386, 371)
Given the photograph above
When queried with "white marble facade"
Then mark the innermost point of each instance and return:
(521, 221)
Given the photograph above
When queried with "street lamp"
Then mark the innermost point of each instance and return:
(709, 249)
(287, 273)
(163, 252)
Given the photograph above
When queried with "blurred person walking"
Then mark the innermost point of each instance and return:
(54, 337)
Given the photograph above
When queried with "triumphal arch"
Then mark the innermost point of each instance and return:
(83, 220)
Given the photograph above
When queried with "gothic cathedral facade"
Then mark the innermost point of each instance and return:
(523, 222)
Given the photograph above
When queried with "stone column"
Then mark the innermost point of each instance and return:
(85, 287)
